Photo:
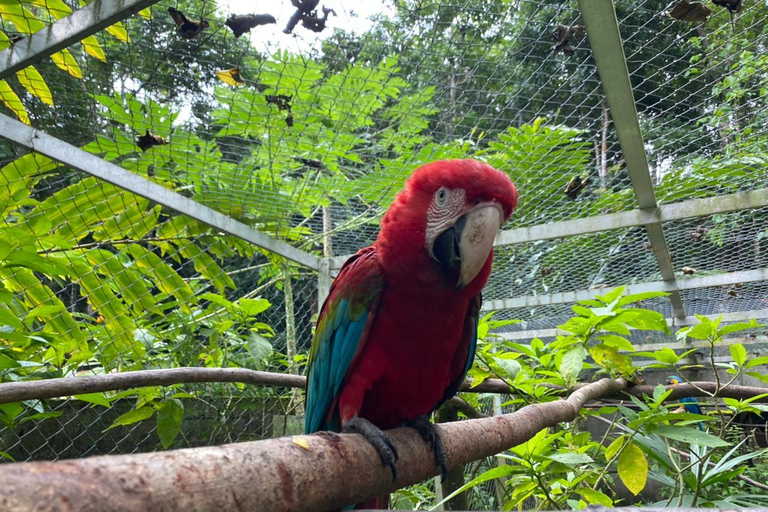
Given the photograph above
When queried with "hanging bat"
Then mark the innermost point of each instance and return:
(303, 7)
(732, 5)
(314, 23)
(149, 140)
(281, 101)
(562, 36)
(242, 23)
(184, 26)
(575, 187)
(692, 12)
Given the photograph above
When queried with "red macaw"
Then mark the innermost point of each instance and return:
(397, 333)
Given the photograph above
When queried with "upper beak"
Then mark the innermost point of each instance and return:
(467, 244)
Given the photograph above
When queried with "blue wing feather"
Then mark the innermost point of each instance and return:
(340, 334)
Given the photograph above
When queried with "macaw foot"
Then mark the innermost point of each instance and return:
(428, 432)
(380, 441)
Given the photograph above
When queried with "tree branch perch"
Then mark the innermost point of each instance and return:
(304, 473)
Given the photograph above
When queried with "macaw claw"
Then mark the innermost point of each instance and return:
(429, 433)
(380, 441)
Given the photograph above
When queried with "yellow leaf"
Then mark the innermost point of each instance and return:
(13, 102)
(67, 62)
(93, 48)
(34, 82)
(55, 8)
(118, 30)
(301, 441)
(145, 13)
(231, 76)
(633, 468)
(5, 41)
(23, 19)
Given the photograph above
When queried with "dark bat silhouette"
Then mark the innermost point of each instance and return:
(303, 8)
(575, 187)
(242, 23)
(184, 26)
(691, 12)
(149, 140)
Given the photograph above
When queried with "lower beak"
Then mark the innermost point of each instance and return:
(467, 244)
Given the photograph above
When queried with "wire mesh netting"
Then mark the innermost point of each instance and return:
(302, 120)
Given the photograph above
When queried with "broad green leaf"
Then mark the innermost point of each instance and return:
(690, 436)
(118, 30)
(7, 363)
(570, 458)
(739, 326)
(629, 299)
(612, 295)
(665, 355)
(633, 468)
(170, 414)
(94, 398)
(133, 416)
(572, 363)
(41, 416)
(260, 349)
(12, 101)
(617, 341)
(218, 300)
(252, 307)
(67, 62)
(509, 366)
(146, 14)
(758, 361)
(660, 392)
(594, 497)
(34, 82)
(93, 48)
(738, 353)
(493, 473)
(614, 448)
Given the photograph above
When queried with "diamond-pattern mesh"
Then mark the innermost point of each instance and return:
(306, 136)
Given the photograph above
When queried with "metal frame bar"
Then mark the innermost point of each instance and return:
(608, 50)
(672, 322)
(611, 221)
(683, 210)
(80, 24)
(744, 276)
(78, 159)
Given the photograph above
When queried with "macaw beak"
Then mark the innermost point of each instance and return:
(468, 242)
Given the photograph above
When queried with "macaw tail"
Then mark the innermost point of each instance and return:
(701, 426)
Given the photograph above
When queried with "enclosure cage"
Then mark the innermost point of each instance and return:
(180, 186)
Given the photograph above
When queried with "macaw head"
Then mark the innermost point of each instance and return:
(442, 225)
(674, 379)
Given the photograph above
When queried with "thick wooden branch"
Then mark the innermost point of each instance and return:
(303, 473)
(52, 388)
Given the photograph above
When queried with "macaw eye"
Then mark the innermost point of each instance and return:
(441, 197)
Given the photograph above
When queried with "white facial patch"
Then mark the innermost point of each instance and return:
(443, 211)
